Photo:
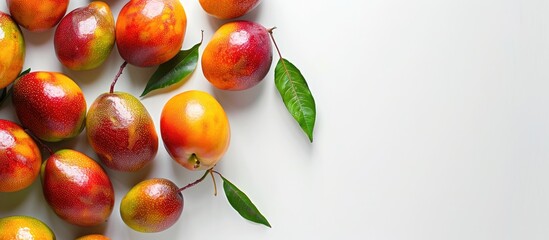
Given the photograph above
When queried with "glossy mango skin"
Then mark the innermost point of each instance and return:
(238, 56)
(24, 227)
(150, 32)
(12, 50)
(84, 38)
(152, 205)
(121, 131)
(195, 129)
(93, 237)
(37, 15)
(227, 9)
(51, 105)
(77, 188)
(20, 158)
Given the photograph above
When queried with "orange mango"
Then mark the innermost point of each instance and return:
(195, 129)
(24, 227)
(37, 15)
(227, 9)
(12, 50)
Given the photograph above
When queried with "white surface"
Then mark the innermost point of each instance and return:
(433, 123)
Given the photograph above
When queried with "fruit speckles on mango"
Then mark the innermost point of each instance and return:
(152, 205)
(50, 105)
(37, 15)
(150, 32)
(20, 158)
(77, 188)
(85, 37)
(12, 55)
(238, 56)
(24, 227)
(226, 9)
(195, 129)
(121, 131)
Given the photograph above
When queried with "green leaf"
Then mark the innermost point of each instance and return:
(24, 73)
(296, 95)
(174, 70)
(242, 204)
(6, 92)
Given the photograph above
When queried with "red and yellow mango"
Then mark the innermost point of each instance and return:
(84, 38)
(51, 105)
(121, 131)
(238, 56)
(77, 189)
(152, 205)
(150, 32)
(20, 158)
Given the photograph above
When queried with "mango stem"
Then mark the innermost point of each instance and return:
(213, 179)
(270, 30)
(195, 182)
(118, 76)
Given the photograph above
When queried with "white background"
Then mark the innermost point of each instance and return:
(433, 123)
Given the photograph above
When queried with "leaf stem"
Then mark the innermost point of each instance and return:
(195, 182)
(274, 41)
(215, 184)
(118, 76)
(216, 172)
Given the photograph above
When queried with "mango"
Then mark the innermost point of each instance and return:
(77, 189)
(20, 157)
(12, 50)
(152, 205)
(84, 38)
(150, 32)
(227, 9)
(37, 15)
(24, 227)
(195, 130)
(121, 131)
(51, 105)
(238, 56)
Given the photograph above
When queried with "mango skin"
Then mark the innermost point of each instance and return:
(121, 131)
(20, 158)
(77, 189)
(152, 205)
(150, 32)
(195, 130)
(238, 56)
(24, 227)
(227, 9)
(12, 50)
(37, 15)
(84, 38)
(93, 237)
(51, 105)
